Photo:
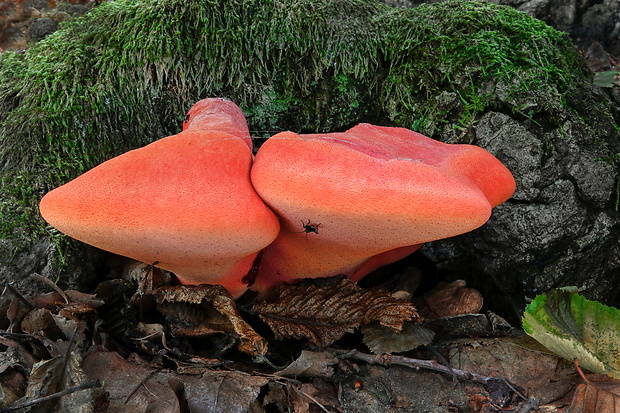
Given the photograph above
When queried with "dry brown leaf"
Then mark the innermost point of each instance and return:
(310, 364)
(276, 398)
(468, 325)
(147, 276)
(448, 300)
(56, 374)
(398, 389)
(45, 324)
(144, 334)
(221, 391)
(381, 340)
(131, 385)
(90, 300)
(71, 328)
(521, 360)
(600, 395)
(196, 365)
(75, 311)
(16, 312)
(325, 314)
(306, 397)
(203, 310)
(17, 355)
(40, 320)
(12, 387)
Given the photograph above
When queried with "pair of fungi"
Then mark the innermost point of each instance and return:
(200, 205)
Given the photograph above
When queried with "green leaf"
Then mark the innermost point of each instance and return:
(575, 328)
(607, 79)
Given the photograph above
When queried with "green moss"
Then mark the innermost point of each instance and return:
(126, 73)
(488, 55)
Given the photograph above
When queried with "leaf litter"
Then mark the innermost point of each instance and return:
(142, 344)
(324, 314)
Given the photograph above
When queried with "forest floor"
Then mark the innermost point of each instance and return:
(141, 343)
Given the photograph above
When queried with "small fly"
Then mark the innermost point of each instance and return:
(309, 227)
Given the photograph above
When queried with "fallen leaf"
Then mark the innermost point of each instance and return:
(468, 325)
(396, 389)
(276, 398)
(601, 394)
(131, 385)
(305, 396)
(221, 391)
(575, 328)
(203, 310)
(90, 300)
(16, 311)
(607, 79)
(76, 311)
(448, 300)
(71, 328)
(12, 387)
(479, 400)
(310, 364)
(143, 332)
(17, 355)
(196, 365)
(54, 375)
(409, 281)
(41, 320)
(146, 276)
(382, 340)
(323, 314)
(521, 360)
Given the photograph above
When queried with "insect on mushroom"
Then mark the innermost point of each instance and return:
(308, 228)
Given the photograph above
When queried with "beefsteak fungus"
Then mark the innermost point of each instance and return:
(351, 202)
(184, 202)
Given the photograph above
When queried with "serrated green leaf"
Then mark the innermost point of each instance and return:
(575, 328)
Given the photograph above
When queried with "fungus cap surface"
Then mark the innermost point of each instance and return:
(184, 201)
(372, 189)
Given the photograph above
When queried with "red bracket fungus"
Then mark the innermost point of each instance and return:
(378, 193)
(347, 202)
(184, 201)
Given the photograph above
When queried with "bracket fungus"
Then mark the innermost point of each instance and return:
(184, 202)
(198, 204)
(378, 193)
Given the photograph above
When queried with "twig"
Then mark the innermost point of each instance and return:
(412, 363)
(51, 284)
(444, 362)
(65, 360)
(16, 336)
(581, 373)
(513, 388)
(17, 294)
(312, 399)
(88, 385)
(529, 405)
(142, 383)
